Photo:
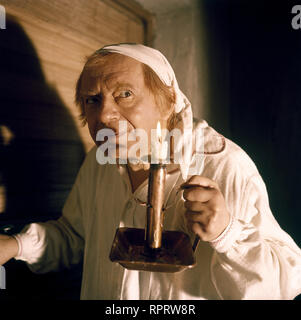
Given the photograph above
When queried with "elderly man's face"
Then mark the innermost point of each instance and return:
(116, 93)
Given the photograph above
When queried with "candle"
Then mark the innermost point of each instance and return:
(159, 148)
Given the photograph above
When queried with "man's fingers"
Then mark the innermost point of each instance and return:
(200, 181)
(201, 217)
(198, 194)
(196, 228)
(200, 230)
(199, 188)
(199, 223)
(195, 206)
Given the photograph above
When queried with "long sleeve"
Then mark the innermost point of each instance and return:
(58, 244)
(54, 244)
(254, 258)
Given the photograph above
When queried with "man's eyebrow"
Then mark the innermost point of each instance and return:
(90, 93)
(124, 84)
(113, 80)
(120, 84)
(115, 86)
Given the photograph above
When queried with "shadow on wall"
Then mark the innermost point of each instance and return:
(40, 155)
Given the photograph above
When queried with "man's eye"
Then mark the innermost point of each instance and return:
(92, 100)
(125, 94)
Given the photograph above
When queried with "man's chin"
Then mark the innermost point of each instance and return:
(119, 153)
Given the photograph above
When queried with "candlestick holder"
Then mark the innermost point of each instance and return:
(155, 203)
(152, 248)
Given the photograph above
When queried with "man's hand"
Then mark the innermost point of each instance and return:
(206, 213)
(8, 248)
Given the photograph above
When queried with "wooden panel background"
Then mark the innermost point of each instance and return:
(42, 51)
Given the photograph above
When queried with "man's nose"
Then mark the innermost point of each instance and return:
(108, 111)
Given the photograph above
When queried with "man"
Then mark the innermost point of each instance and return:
(243, 253)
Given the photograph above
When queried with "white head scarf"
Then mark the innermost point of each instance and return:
(159, 64)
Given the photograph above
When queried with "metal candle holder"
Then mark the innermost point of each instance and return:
(153, 249)
(155, 202)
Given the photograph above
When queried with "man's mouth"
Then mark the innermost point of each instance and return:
(114, 136)
(117, 137)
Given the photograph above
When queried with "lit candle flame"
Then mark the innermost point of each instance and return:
(159, 147)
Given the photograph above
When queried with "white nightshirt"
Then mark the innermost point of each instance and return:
(252, 259)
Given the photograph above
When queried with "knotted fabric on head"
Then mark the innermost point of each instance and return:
(159, 64)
